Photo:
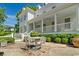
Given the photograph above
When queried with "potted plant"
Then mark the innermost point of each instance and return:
(75, 40)
(3, 42)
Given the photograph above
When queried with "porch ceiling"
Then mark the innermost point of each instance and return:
(66, 12)
(62, 13)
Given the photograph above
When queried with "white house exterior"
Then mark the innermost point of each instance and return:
(26, 15)
(53, 17)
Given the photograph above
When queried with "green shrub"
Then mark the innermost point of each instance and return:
(64, 40)
(35, 34)
(3, 40)
(68, 36)
(3, 33)
(48, 39)
(58, 40)
(70, 41)
(8, 39)
(59, 35)
(52, 36)
(75, 35)
(63, 35)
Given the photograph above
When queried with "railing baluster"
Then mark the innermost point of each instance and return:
(60, 27)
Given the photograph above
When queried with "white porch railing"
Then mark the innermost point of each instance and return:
(64, 27)
(38, 29)
(48, 29)
(60, 27)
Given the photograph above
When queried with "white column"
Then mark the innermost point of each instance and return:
(55, 21)
(27, 27)
(33, 26)
(76, 21)
(77, 26)
(42, 25)
(12, 35)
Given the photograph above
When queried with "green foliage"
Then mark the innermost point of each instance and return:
(8, 39)
(70, 41)
(5, 30)
(33, 7)
(58, 40)
(63, 35)
(54, 36)
(3, 40)
(68, 36)
(75, 35)
(17, 27)
(1, 28)
(2, 15)
(18, 13)
(35, 34)
(59, 35)
(3, 33)
(17, 24)
(48, 39)
(64, 40)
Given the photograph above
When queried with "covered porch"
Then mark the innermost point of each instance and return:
(62, 21)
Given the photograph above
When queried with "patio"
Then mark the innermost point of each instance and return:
(48, 49)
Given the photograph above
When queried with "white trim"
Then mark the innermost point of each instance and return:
(42, 25)
(33, 25)
(55, 20)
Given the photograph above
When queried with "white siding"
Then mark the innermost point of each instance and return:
(30, 15)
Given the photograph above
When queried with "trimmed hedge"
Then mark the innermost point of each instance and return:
(48, 39)
(4, 33)
(70, 41)
(65, 40)
(8, 39)
(35, 34)
(58, 40)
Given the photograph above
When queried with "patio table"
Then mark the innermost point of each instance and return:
(35, 41)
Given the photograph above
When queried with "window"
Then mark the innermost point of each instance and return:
(67, 20)
(67, 26)
(24, 17)
(44, 24)
(52, 23)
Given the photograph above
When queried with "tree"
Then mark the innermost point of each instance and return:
(2, 15)
(33, 7)
(17, 25)
(2, 19)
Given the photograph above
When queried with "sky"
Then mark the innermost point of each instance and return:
(11, 9)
